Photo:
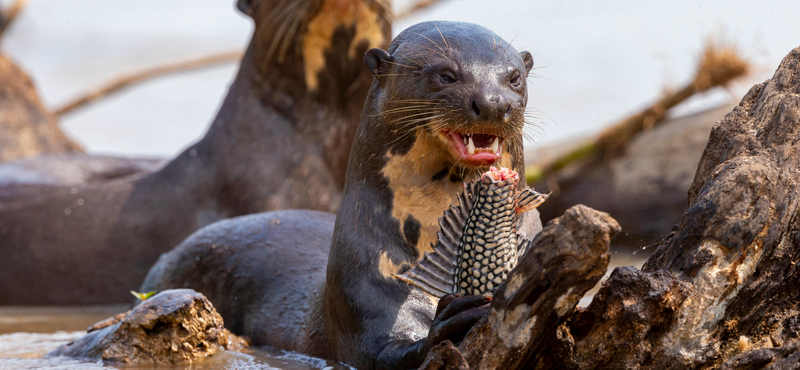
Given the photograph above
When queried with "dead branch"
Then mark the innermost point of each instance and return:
(8, 16)
(718, 66)
(416, 7)
(124, 82)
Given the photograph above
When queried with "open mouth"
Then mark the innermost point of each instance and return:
(476, 149)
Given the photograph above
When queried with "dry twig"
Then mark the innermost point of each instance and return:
(8, 16)
(121, 83)
(416, 7)
(718, 66)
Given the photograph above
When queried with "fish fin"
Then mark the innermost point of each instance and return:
(435, 272)
(528, 223)
(528, 199)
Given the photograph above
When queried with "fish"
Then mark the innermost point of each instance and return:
(477, 242)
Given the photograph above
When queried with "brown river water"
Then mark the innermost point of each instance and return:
(27, 334)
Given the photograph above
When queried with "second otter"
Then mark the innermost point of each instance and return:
(448, 102)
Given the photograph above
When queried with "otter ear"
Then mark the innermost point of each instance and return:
(378, 61)
(246, 6)
(527, 58)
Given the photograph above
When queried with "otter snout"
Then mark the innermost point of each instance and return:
(492, 106)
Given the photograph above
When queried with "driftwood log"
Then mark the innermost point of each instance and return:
(721, 291)
(27, 128)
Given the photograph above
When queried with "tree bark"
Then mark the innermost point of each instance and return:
(728, 273)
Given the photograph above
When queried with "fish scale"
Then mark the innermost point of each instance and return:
(478, 244)
(484, 265)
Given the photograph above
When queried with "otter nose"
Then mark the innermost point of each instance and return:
(490, 107)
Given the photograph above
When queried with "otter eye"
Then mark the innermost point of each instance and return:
(447, 77)
(516, 79)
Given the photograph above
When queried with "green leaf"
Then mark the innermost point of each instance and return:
(143, 296)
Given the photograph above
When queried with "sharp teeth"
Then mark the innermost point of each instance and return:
(470, 146)
(496, 145)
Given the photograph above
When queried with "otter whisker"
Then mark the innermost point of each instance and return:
(408, 125)
(416, 62)
(405, 123)
(421, 112)
(408, 112)
(390, 74)
(438, 125)
(529, 133)
(494, 41)
(406, 109)
(398, 64)
(443, 56)
(440, 34)
(511, 42)
(534, 122)
(293, 28)
(413, 101)
(432, 42)
(405, 117)
(285, 24)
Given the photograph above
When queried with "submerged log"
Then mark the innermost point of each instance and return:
(174, 327)
(723, 290)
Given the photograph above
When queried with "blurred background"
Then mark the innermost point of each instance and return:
(596, 61)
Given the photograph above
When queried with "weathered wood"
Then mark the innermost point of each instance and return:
(783, 357)
(27, 128)
(121, 83)
(8, 15)
(445, 356)
(727, 277)
(566, 259)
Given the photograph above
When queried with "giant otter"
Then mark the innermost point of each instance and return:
(447, 102)
(280, 140)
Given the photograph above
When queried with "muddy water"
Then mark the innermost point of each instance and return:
(27, 334)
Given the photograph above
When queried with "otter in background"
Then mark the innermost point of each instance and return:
(280, 140)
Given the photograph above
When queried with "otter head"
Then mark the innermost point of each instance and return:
(448, 102)
(456, 85)
(314, 47)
